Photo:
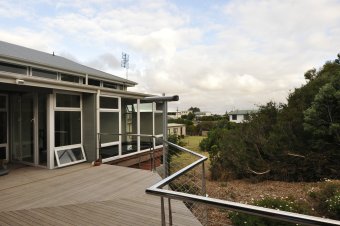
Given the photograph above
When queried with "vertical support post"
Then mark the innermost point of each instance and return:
(166, 151)
(163, 212)
(165, 138)
(50, 131)
(170, 212)
(204, 193)
(98, 123)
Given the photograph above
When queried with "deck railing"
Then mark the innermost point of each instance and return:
(147, 144)
(187, 183)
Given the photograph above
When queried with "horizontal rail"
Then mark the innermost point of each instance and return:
(244, 208)
(129, 134)
(228, 205)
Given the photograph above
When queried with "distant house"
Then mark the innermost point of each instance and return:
(239, 116)
(202, 114)
(179, 129)
(178, 114)
(181, 113)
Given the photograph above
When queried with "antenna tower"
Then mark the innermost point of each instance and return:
(125, 63)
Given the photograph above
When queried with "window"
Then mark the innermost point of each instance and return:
(69, 156)
(109, 127)
(109, 151)
(13, 68)
(108, 103)
(109, 124)
(68, 131)
(146, 124)
(234, 117)
(69, 78)
(129, 125)
(93, 82)
(109, 85)
(67, 128)
(67, 100)
(159, 106)
(44, 73)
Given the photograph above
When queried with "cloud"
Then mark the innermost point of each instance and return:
(105, 61)
(235, 54)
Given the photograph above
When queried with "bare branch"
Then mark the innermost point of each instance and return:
(296, 155)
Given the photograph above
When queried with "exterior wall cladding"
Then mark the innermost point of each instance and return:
(55, 112)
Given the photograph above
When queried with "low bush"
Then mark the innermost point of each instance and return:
(285, 204)
(327, 199)
(333, 206)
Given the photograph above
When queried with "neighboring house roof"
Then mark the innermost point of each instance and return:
(28, 55)
(175, 125)
(241, 112)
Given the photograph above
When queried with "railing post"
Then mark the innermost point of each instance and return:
(204, 193)
(163, 212)
(170, 212)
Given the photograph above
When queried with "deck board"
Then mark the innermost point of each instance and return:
(83, 195)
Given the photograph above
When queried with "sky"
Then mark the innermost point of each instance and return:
(216, 55)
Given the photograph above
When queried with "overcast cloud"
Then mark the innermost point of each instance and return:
(216, 55)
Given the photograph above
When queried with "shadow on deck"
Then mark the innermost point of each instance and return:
(83, 195)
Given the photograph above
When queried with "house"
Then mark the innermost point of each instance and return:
(173, 115)
(202, 114)
(178, 129)
(239, 116)
(55, 112)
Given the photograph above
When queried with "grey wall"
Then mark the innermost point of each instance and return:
(89, 126)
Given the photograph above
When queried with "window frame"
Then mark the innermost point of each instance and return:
(62, 148)
(46, 70)
(110, 110)
(15, 64)
(67, 109)
(80, 78)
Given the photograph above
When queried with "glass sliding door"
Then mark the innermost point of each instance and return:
(3, 127)
(23, 127)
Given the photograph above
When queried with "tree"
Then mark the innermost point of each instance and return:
(310, 74)
(297, 141)
(191, 116)
(322, 118)
(194, 109)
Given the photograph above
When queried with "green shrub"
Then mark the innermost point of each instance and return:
(333, 206)
(327, 199)
(285, 204)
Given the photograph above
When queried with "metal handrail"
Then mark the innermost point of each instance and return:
(228, 205)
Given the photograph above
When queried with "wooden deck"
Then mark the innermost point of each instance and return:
(83, 195)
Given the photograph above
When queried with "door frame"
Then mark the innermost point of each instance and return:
(35, 132)
(5, 145)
